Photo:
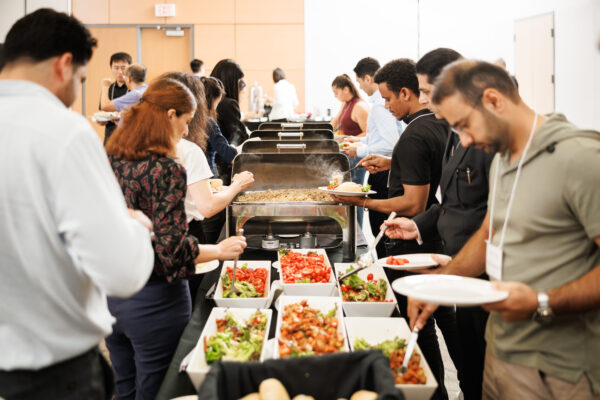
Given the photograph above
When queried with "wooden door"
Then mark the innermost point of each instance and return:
(534, 61)
(162, 53)
(110, 41)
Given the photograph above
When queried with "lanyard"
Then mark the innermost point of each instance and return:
(514, 188)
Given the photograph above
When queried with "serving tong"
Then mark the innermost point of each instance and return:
(410, 348)
(365, 260)
(234, 289)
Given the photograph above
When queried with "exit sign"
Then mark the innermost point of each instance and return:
(164, 10)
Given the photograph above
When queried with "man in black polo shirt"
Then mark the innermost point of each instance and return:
(118, 64)
(464, 189)
(415, 170)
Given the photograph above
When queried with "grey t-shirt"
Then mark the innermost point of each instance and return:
(550, 241)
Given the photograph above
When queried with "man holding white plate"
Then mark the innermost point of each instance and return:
(543, 245)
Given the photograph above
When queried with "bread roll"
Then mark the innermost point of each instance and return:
(349, 187)
(215, 184)
(272, 389)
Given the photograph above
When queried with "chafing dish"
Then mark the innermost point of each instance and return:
(294, 126)
(307, 134)
(330, 224)
(290, 146)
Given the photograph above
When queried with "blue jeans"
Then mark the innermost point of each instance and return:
(358, 176)
(145, 336)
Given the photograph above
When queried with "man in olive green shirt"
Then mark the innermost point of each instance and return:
(544, 339)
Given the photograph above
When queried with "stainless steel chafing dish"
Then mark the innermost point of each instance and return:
(286, 222)
(290, 146)
(294, 125)
(306, 134)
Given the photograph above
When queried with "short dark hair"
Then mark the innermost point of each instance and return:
(196, 65)
(278, 75)
(470, 78)
(120, 56)
(398, 74)
(229, 73)
(44, 34)
(366, 66)
(432, 63)
(342, 81)
(137, 73)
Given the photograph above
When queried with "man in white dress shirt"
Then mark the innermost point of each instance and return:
(66, 238)
(285, 99)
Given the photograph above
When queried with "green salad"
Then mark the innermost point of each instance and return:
(355, 289)
(236, 341)
(387, 347)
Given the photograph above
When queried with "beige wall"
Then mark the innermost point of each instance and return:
(259, 34)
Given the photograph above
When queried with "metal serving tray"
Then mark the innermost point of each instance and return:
(306, 134)
(291, 146)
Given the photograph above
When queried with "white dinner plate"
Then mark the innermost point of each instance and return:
(415, 261)
(347, 194)
(203, 268)
(448, 290)
(104, 117)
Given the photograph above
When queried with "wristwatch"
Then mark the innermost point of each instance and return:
(543, 314)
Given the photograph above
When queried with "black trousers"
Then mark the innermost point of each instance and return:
(196, 229)
(378, 183)
(87, 376)
(471, 323)
(212, 227)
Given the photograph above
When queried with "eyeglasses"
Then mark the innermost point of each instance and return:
(463, 123)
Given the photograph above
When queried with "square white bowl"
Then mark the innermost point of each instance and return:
(376, 330)
(308, 289)
(367, 309)
(197, 367)
(253, 302)
(321, 303)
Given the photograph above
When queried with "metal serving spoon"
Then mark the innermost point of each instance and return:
(365, 260)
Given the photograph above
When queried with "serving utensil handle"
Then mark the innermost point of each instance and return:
(240, 232)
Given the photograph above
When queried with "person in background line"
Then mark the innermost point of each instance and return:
(383, 131)
(543, 238)
(197, 67)
(464, 189)
(58, 259)
(229, 116)
(135, 79)
(141, 152)
(119, 62)
(416, 167)
(351, 121)
(285, 99)
(217, 145)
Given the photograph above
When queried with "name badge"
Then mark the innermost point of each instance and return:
(493, 261)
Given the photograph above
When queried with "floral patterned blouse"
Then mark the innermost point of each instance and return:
(156, 185)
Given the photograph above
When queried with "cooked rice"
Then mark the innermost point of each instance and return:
(285, 195)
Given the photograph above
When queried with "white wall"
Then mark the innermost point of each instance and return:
(12, 10)
(339, 33)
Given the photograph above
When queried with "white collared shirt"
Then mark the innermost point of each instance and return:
(285, 100)
(66, 238)
(383, 130)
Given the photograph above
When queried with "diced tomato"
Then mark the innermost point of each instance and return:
(298, 267)
(370, 277)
